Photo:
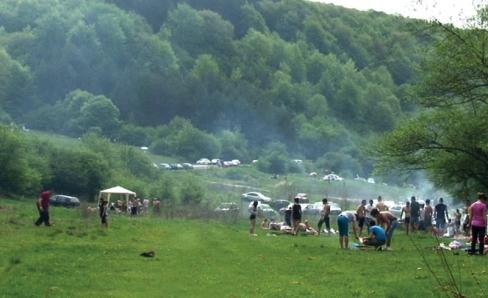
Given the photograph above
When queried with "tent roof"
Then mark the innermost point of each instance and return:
(118, 190)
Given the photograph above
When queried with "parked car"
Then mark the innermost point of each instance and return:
(227, 208)
(396, 210)
(332, 177)
(176, 166)
(371, 180)
(203, 161)
(313, 209)
(265, 210)
(64, 201)
(164, 166)
(302, 198)
(278, 204)
(188, 166)
(255, 196)
(235, 162)
(335, 209)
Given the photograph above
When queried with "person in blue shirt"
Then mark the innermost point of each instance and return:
(377, 235)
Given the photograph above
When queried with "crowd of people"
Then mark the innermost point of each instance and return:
(381, 223)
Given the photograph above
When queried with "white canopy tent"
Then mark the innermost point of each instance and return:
(119, 190)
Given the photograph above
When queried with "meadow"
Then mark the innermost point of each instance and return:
(211, 258)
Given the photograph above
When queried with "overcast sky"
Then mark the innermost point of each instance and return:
(446, 11)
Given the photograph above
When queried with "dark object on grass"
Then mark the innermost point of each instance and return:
(148, 254)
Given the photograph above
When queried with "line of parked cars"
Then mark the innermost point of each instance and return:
(273, 209)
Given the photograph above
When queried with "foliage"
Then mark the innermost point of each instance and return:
(448, 138)
(314, 77)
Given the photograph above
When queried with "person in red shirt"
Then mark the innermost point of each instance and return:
(43, 208)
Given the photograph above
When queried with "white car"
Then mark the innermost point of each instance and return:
(236, 162)
(265, 210)
(332, 177)
(255, 196)
(203, 161)
(371, 180)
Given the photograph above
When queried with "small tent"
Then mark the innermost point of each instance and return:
(118, 190)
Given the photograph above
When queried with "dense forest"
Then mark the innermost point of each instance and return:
(214, 78)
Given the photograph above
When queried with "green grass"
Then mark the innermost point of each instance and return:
(199, 258)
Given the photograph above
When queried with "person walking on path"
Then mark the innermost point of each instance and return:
(477, 214)
(43, 208)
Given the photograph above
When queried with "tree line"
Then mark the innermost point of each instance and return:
(214, 78)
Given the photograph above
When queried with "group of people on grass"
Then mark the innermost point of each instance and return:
(381, 223)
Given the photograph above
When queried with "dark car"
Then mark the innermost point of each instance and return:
(64, 201)
(278, 204)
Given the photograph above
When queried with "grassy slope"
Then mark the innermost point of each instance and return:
(228, 184)
(75, 258)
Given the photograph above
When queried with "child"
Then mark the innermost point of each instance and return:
(103, 212)
(450, 229)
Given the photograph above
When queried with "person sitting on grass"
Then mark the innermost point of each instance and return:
(306, 228)
(377, 236)
(265, 224)
(254, 211)
(343, 220)
(388, 222)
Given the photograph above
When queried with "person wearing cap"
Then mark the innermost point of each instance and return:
(43, 208)
(361, 212)
(343, 220)
(324, 217)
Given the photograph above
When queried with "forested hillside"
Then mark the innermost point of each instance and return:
(210, 78)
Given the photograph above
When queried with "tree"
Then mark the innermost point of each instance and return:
(449, 138)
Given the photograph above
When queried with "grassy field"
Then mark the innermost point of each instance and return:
(202, 258)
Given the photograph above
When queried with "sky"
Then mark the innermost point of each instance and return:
(446, 11)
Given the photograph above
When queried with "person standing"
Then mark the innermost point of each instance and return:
(467, 221)
(477, 214)
(388, 222)
(428, 211)
(457, 221)
(252, 218)
(369, 207)
(43, 208)
(102, 209)
(406, 210)
(380, 205)
(324, 217)
(414, 214)
(361, 212)
(440, 213)
(343, 220)
(296, 212)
